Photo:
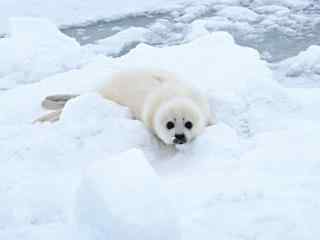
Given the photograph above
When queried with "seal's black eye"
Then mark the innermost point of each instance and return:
(188, 125)
(170, 125)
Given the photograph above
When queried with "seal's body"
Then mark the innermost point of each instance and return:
(173, 111)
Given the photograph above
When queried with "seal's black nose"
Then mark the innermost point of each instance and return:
(179, 139)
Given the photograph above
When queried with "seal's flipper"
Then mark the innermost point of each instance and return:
(50, 117)
(56, 102)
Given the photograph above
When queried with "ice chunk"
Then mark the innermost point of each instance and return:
(301, 70)
(92, 106)
(197, 29)
(239, 14)
(213, 62)
(37, 49)
(118, 42)
(294, 4)
(122, 198)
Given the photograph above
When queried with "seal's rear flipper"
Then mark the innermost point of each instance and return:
(56, 102)
(50, 117)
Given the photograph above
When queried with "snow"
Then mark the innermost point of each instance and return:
(272, 9)
(123, 198)
(180, 59)
(37, 49)
(197, 29)
(115, 44)
(296, 4)
(301, 70)
(98, 172)
(92, 106)
(239, 14)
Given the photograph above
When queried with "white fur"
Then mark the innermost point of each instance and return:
(156, 97)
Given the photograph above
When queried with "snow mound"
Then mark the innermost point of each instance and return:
(112, 46)
(122, 198)
(197, 29)
(91, 115)
(91, 107)
(165, 31)
(26, 100)
(37, 49)
(217, 70)
(301, 70)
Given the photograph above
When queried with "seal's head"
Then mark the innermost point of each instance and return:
(178, 121)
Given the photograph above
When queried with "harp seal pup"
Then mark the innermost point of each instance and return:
(175, 112)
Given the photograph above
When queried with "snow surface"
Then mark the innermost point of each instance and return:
(253, 175)
(122, 198)
(302, 70)
(37, 49)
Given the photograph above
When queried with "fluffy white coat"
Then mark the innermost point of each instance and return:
(158, 97)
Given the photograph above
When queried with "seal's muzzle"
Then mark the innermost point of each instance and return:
(179, 139)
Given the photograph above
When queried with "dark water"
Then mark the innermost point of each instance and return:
(274, 44)
(102, 29)
(278, 45)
